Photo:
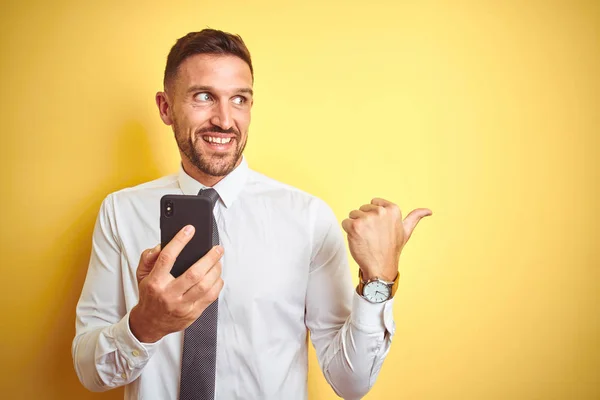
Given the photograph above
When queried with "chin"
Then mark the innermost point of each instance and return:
(217, 166)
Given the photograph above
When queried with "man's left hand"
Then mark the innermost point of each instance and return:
(377, 234)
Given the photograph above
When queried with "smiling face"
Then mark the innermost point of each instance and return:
(208, 105)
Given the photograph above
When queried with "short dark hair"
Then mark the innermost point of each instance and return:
(207, 41)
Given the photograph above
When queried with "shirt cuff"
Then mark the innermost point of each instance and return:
(372, 317)
(136, 352)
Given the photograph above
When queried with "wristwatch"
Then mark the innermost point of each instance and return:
(376, 290)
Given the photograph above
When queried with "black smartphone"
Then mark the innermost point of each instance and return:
(178, 211)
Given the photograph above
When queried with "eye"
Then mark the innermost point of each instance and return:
(203, 97)
(239, 100)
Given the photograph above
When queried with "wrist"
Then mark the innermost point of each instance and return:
(384, 276)
(140, 329)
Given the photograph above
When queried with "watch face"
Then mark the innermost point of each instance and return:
(376, 292)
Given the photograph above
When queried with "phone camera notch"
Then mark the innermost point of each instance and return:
(169, 209)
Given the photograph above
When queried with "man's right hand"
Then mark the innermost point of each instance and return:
(167, 304)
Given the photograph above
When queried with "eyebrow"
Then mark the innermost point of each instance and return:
(201, 88)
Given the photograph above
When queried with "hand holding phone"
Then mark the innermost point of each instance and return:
(168, 304)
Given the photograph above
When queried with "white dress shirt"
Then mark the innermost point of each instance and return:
(285, 271)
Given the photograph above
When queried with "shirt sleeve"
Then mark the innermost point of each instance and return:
(105, 352)
(351, 335)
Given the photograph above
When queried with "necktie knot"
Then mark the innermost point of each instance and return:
(210, 193)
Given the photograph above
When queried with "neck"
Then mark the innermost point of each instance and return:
(200, 176)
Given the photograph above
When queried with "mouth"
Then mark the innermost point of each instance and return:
(218, 142)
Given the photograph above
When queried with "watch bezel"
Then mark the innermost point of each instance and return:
(372, 282)
(362, 283)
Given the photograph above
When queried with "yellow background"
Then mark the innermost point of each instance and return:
(486, 112)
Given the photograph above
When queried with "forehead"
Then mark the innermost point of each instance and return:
(219, 71)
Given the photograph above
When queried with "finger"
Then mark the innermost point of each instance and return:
(370, 208)
(204, 286)
(412, 219)
(207, 298)
(149, 256)
(197, 271)
(354, 214)
(389, 206)
(167, 256)
(147, 260)
(347, 226)
(381, 202)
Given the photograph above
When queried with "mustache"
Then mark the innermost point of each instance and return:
(216, 129)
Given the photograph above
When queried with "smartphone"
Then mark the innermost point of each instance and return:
(178, 211)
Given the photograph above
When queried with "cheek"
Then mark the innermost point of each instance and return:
(192, 119)
(243, 121)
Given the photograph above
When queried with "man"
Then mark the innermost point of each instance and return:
(234, 325)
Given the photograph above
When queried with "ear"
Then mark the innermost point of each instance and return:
(164, 108)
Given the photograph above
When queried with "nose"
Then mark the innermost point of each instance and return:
(222, 116)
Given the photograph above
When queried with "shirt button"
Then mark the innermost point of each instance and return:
(123, 375)
(135, 353)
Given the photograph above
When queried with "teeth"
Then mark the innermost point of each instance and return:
(211, 139)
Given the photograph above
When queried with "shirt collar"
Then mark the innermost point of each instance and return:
(228, 188)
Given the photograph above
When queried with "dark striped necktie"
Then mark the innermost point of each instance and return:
(199, 359)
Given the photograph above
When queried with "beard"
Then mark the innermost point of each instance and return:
(216, 165)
